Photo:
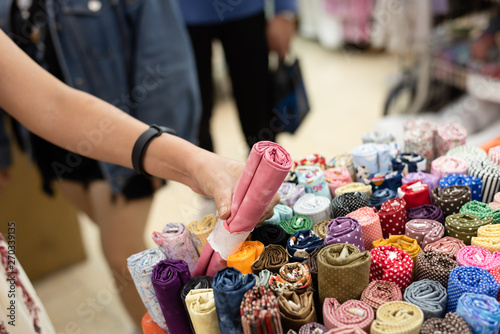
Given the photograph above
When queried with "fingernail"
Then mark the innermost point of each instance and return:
(222, 210)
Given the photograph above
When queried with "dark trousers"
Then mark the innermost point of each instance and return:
(245, 47)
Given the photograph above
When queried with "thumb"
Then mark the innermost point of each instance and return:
(222, 200)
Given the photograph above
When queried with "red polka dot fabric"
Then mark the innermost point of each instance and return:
(496, 274)
(393, 217)
(392, 264)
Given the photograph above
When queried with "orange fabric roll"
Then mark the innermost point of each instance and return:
(149, 326)
(245, 256)
(490, 144)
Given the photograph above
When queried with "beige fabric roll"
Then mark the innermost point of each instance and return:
(398, 318)
(201, 307)
(295, 310)
(202, 229)
(353, 187)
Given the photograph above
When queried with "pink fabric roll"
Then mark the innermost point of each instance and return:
(478, 257)
(370, 225)
(337, 177)
(447, 245)
(446, 165)
(267, 166)
(448, 136)
(425, 231)
(494, 154)
(352, 312)
(495, 205)
(346, 330)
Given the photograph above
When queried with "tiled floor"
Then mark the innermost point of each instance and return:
(346, 91)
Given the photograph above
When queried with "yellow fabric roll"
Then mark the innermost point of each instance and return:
(491, 244)
(403, 242)
(489, 231)
(202, 229)
(245, 256)
(201, 308)
(353, 187)
(398, 318)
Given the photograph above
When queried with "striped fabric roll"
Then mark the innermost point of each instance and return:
(474, 183)
(489, 173)
(464, 226)
(390, 263)
(337, 177)
(451, 199)
(346, 203)
(478, 257)
(354, 187)
(377, 293)
(447, 245)
(202, 229)
(430, 180)
(428, 211)
(429, 296)
(452, 323)
(317, 208)
(409, 163)
(420, 141)
(415, 194)
(494, 154)
(445, 165)
(435, 266)
(370, 225)
(393, 217)
(290, 193)
(352, 312)
(468, 153)
(481, 312)
(398, 318)
(409, 245)
(260, 312)
(482, 210)
(296, 223)
(424, 231)
(380, 196)
(448, 136)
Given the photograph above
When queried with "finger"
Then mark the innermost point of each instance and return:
(270, 208)
(223, 202)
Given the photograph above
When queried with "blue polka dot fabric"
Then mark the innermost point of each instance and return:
(474, 183)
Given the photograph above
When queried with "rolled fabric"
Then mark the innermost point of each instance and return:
(424, 231)
(482, 210)
(314, 181)
(229, 288)
(352, 312)
(260, 312)
(429, 296)
(495, 205)
(354, 187)
(337, 177)
(451, 199)
(403, 242)
(393, 217)
(488, 237)
(452, 323)
(398, 318)
(140, 266)
(196, 283)
(469, 279)
(420, 141)
(468, 153)
(489, 173)
(380, 196)
(297, 223)
(427, 211)
(419, 123)
(315, 160)
(168, 277)
(430, 180)
(281, 212)
(272, 258)
(474, 183)
(415, 194)
(245, 256)
(301, 244)
(313, 328)
(448, 136)
(478, 257)
(447, 245)
(464, 226)
(312, 263)
(481, 312)
(409, 163)
(296, 310)
(320, 229)
(345, 230)
(371, 157)
(445, 165)
(270, 234)
(263, 278)
(345, 160)
(317, 208)
(290, 193)
(293, 276)
(377, 293)
(370, 225)
(489, 231)
(496, 275)
(346, 203)
(202, 229)
(390, 263)
(346, 330)
(384, 180)
(435, 266)
(494, 155)
(379, 138)
(335, 263)
(200, 304)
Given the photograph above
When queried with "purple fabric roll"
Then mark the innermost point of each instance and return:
(426, 211)
(430, 180)
(168, 278)
(345, 230)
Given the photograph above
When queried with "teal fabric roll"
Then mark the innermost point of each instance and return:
(281, 212)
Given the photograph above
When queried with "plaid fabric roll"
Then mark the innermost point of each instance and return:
(427, 211)
(293, 276)
(435, 266)
(468, 153)
(352, 312)
(415, 194)
(337, 177)
(469, 279)
(430, 180)
(429, 296)
(393, 217)
(403, 242)
(320, 228)
(290, 193)
(481, 312)
(464, 226)
(260, 312)
(478, 257)
(313, 328)
(272, 258)
(313, 181)
(398, 318)
(301, 244)
(346, 203)
(451, 199)
(409, 163)
(202, 229)
(447, 245)
(354, 187)
(489, 173)
(296, 310)
(270, 234)
(317, 208)
(345, 230)
(448, 136)
(296, 223)
(380, 196)
(482, 210)
(424, 231)
(494, 154)
(370, 225)
(390, 263)
(420, 141)
(452, 323)
(474, 183)
(445, 165)
(377, 293)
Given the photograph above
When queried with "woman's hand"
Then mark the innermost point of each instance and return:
(280, 31)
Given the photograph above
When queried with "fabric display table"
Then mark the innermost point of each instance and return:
(448, 245)
(393, 217)
(435, 266)
(451, 199)
(350, 313)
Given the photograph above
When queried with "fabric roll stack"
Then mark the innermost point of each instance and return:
(420, 141)
(281, 212)
(345, 230)
(320, 229)
(445, 165)
(393, 217)
(313, 181)
(378, 137)
(337, 177)
(419, 123)
(482, 210)
(448, 136)
(248, 252)
(464, 226)
(263, 278)
(202, 229)
(290, 193)
(429, 296)
(346, 203)
(478, 257)
(430, 180)
(406, 163)
(371, 158)
(350, 313)
(489, 173)
(338, 262)
(384, 180)
(229, 287)
(313, 328)
(200, 304)
(448, 245)
(409, 245)
(390, 263)
(270, 234)
(494, 155)
(345, 160)
(424, 231)
(398, 318)
(377, 293)
(415, 194)
(468, 153)
(474, 183)
(296, 223)
(451, 199)
(273, 257)
(354, 187)
(370, 225)
(488, 237)
(301, 244)
(428, 211)
(380, 196)
(296, 310)
(317, 208)
(435, 266)
(259, 312)
(481, 312)
(469, 279)
(452, 323)
(293, 277)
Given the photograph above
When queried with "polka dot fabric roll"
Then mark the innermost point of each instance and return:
(452, 323)
(398, 318)
(435, 266)
(496, 275)
(451, 199)
(448, 136)
(415, 194)
(446, 245)
(489, 173)
(345, 230)
(377, 293)
(488, 237)
(464, 226)
(392, 216)
(370, 225)
(352, 312)
(428, 211)
(474, 183)
(347, 203)
(424, 231)
(482, 210)
(409, 245)
(478, 257)
(390, 263)
(446, 165)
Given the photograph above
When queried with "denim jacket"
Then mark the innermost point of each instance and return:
(134, 54)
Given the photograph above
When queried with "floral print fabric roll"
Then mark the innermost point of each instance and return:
(293, 276)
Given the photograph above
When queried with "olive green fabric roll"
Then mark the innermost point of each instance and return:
(296, 310)
(464, 226)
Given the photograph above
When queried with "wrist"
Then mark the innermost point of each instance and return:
(288, 16)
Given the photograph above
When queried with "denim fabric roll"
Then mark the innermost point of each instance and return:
(474, 183)
(270, 234)
(489, 173)
(345, 230)
(468, 153)
(346, 203)
(290, 193)
(482, 210)
(296, 223)
(448, 245)
(380, 196)
(469, 279)
(464, 226)
(481, 312)
(168, 277)
(201, 309)
(378, 292)
(281, 212)
(398, 318)
(317, 208)
(409, 163)
(337, 177)
(373, 158)
(478, 257)
(260, 312)
(430, 180)
(370, 225)
(294, 277)
(263, 278)
(429, 296)
(435, 266)
(450, 199)
(352, 312)
(393, 217)
(415, 194)
(229, 288)
(427, 211)
(452, 323)
(390, 263)
(313, 328)
(424, 231)
(272, 258)
(296, 310)
(384, 180)
(313, 180)
(301, 244)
